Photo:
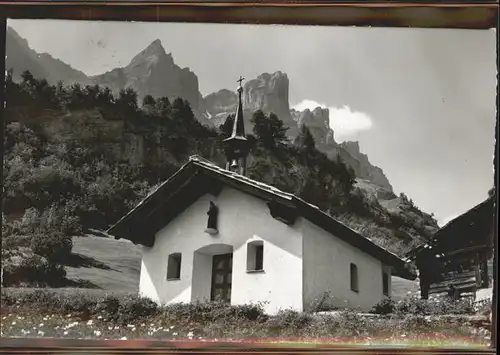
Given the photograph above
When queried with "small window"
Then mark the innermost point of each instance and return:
(174, 266)
(354, 278)
(255, 256)
(385, 283)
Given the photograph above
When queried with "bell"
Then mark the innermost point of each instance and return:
(234, 164)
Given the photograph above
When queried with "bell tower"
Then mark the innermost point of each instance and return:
(236, 147)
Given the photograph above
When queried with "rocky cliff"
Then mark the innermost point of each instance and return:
(20, 57)
(318, 122)
(366, 169)
(269, 93)
(154, 72)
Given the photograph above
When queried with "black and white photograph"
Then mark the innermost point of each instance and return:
(276, 184)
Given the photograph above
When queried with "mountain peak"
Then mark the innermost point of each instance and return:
(151, 55)
(155, 47)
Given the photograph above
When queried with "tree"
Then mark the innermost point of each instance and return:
(345, 175)
(304, 140)
(163, 106)
(149, 101)
(226, 128)
(127, 101)
(269, 131)
(28, 78)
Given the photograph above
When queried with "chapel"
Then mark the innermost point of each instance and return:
(211, 233)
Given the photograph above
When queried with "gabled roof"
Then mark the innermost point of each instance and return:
(479, 218)
(199, 176)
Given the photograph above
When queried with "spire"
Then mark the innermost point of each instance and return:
(239, 125)
(236, 147)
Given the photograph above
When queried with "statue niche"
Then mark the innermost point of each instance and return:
(213, 213)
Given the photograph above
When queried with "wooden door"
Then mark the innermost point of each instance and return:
(222, 273)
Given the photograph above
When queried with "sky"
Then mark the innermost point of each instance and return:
(421, 102)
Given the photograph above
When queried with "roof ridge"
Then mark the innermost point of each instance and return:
(209, 164)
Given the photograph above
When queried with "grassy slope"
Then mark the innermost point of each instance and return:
(123, 258)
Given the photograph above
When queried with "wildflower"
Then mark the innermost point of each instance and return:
(99, 317)
(130, 326)
(14, 323)
(190, 334)
(40, 325)
(110, 328)
(65, 332)
(90, 322)
(133, 329)
(40, 333)
(69, 315)
(97, 332)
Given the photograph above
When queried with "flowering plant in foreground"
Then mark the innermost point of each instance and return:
(158, 328)
(42, 314)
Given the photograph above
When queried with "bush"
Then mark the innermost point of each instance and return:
(133, 308)
(108, 307)
(417, 307)
(32, 270)
(211, 311)
(384, 307)
(54, 246)
(290, 319)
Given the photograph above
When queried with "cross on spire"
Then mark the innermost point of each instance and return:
(240, 79)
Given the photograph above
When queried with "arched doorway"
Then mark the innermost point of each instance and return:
(212, 273)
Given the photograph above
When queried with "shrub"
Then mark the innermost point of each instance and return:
(84, 306)
(204, 312)
(134, 307)
(384, 307)
(417, 307)
(108, 307)
(54, 246)
(32, 270)
(290, 319)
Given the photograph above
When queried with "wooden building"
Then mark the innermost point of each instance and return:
(455, 260)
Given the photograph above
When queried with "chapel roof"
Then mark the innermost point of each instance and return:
(200, 176)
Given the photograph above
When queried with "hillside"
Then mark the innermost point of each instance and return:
(117, 263)
(154, 72)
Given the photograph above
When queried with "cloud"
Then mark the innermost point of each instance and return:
(344, 121)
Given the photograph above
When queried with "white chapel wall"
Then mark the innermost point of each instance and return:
(242, 219)
(327, 268)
